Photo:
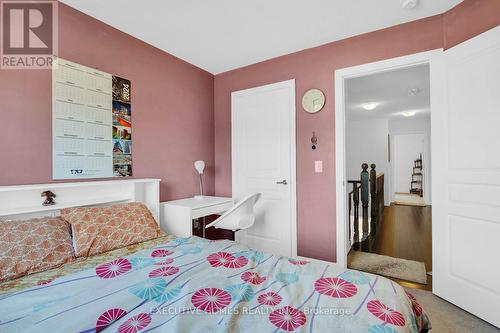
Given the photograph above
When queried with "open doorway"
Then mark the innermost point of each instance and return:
(387, 168)
(463, 175)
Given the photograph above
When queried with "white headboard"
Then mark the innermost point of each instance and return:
(25, 201)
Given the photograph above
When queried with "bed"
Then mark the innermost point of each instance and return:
(169, 284)
(196, 285)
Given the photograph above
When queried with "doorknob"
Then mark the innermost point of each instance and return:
(283, 182)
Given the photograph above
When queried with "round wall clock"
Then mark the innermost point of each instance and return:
(313, 100)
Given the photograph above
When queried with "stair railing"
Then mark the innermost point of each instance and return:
(369, 191)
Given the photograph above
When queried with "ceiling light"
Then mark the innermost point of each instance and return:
(409, 113)
(369, 106)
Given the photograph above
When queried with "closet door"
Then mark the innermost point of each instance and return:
(263, 161)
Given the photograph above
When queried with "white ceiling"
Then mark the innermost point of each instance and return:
(391, 90)
(220, 35)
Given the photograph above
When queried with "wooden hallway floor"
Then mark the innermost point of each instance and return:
(407, 233)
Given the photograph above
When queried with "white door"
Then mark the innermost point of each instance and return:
(466, 185)
(263, 157)
(407, 148)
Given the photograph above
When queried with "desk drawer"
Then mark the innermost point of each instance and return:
(211, 210)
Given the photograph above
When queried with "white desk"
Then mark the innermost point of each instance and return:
(177, 216)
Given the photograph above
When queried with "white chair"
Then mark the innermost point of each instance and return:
(240, 216)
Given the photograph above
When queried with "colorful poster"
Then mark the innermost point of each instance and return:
(122, 127)
(121, 90)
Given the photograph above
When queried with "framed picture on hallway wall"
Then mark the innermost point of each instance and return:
(91, 122)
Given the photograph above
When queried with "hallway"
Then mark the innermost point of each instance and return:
(407, 233)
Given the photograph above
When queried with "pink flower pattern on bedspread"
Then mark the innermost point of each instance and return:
(164, 271)
(298, 262)
(335, 287)
(108, 317)
(417, 308)
(385, 313)
(161, 253)
(113, 268)
(135, 324)
(237, 262)
(220, 258)
(214, 286)
(270, 298)
(287, 318)
(211, 299)
(253, 278)
(165, 262)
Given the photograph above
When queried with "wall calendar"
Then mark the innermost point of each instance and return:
(91, 123)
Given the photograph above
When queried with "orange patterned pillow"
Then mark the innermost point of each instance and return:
(33, 245)
(101, 229)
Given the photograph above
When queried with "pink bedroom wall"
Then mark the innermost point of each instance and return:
(314, 68)
(172, 105)
(469, 19)
(181, 114)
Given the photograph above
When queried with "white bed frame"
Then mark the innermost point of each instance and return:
(25, 201)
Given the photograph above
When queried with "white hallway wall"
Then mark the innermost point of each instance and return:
(367, 141)
(414, 125)
(406, 148)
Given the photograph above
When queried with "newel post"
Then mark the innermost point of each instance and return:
(355, 197)
(365, 195)
(373, 192)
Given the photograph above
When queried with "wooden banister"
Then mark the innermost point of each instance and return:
(373, 189)
(355, 199)
(369, 190)
(365, 197)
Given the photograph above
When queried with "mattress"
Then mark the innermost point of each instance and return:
(195, 285)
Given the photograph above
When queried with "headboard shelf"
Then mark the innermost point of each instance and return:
(51, 186)
(25, 201)
(81, 203)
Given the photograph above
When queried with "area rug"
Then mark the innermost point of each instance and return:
(403, 269)
(408, 199)
(447, 318)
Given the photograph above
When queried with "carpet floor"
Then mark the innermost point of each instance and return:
(447, 318)
(402, 269)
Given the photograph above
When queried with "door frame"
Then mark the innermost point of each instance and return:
(429, 57)
(293, 151)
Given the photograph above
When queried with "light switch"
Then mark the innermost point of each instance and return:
(318, 166)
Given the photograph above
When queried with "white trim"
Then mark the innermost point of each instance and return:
(25, 201)
(293, 151)
(340, 168)
(6, 188)
(293, 168)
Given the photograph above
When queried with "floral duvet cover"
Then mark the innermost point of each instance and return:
(196, 285)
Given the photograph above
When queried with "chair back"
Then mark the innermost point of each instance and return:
(240, 216)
